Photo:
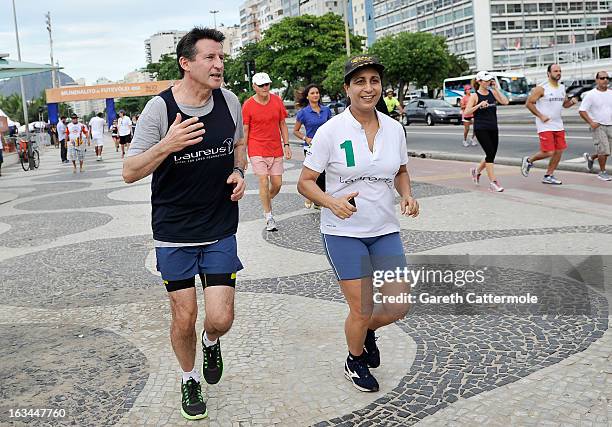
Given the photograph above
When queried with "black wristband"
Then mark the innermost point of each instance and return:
(285, 145)
(240, 171)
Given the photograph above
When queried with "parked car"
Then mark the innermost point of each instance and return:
(431, 111)
(337, 106)
(578, 91)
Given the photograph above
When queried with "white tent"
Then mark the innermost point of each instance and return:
(10, 122)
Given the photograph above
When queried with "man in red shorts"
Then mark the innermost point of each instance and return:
(545, 103)
(267, 136)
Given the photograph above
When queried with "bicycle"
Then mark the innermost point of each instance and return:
(24, 158)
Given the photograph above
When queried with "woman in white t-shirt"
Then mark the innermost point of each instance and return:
(364, 155)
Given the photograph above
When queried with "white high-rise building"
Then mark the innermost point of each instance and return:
(81, 108)
(321, 7)
(232, 42)
(256, 16)
(136, 76)
(361, 19)
(162, 43)
(496, 34)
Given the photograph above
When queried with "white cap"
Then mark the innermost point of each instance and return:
(484, 76)
(261, 79)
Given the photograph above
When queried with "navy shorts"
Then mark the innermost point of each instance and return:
(354, 258)
(218, 262)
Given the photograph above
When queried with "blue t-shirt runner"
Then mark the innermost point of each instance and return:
(312, 120)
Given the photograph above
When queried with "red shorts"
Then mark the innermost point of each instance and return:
(552, 140)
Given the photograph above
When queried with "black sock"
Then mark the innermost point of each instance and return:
(546, 176)
(353, 357)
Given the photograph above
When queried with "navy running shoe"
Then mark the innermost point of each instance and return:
(356, 371)
(371, 353)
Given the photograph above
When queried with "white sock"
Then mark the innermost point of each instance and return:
(207, 342)
(193, 374)
(268, 215)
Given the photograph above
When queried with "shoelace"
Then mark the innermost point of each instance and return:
(362, 369)
(209, 355)
(193, 392)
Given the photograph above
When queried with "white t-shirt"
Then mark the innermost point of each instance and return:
(125, 125)
(598, 105)
(97, 127)
(550, 104)
(341, 149)
(61, 131)
(76, 134)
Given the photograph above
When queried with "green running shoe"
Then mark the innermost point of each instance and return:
(212, 365)
(193, 406)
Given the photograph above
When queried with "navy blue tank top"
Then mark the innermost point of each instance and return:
(486, 118)
(189, 194)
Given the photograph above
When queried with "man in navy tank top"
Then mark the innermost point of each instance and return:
(190, 138)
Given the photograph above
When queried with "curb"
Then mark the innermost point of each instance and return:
(507, 161)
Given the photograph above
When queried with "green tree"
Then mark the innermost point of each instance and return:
(458, 66)
(604, 33)
(133, 105)
(12, 106)
(165, 69)
(332, 84)
(299, 49)
(418, 58)
(604, 51)
(235, 76)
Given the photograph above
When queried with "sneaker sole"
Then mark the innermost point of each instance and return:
(590, 163)
(474, 180)
(552, 183)
(524, 170)
(348, 377)
(194, 417)
(272, 229)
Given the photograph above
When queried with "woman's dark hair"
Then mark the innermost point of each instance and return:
(186, 47)
(302, 100)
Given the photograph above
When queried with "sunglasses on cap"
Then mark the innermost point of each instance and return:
(264, 85)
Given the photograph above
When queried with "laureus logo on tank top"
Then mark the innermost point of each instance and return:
(225, 149)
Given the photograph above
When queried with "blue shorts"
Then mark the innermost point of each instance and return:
(185, 262)
(354, 258)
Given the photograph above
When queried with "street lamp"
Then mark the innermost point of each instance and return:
(23, 97)
(346, 28)
(214, 14)
(48, 22)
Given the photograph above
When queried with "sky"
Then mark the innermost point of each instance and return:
(105, 38)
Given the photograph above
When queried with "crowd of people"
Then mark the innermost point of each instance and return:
(74, 137)
(196, 140)
(355, 163)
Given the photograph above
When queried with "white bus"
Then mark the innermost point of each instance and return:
(513, 85)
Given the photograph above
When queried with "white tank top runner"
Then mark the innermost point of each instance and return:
(550, 105)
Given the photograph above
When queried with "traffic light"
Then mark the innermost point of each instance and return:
(48, 21)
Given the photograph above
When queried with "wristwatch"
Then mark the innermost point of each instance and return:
(240, 171)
